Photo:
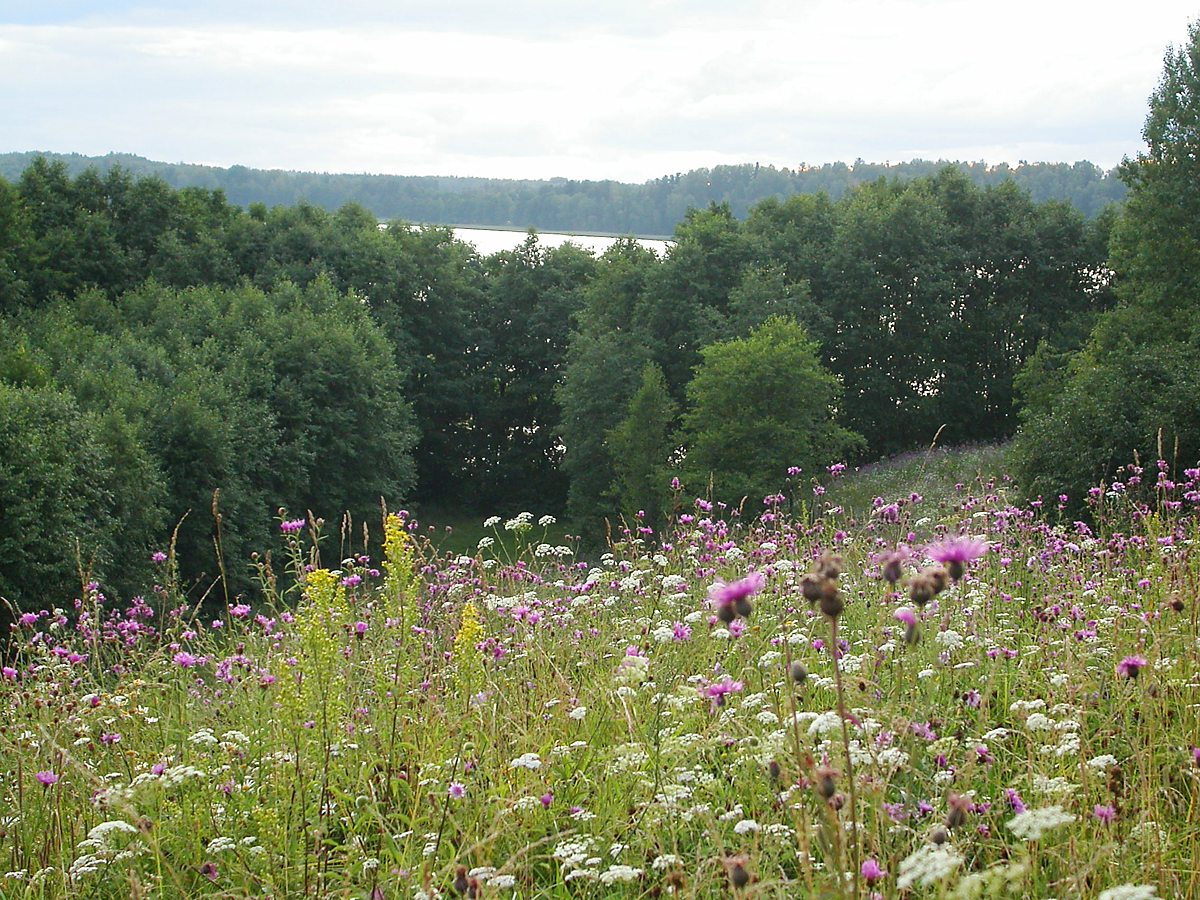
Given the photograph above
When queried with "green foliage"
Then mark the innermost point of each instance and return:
(1132, 389)
(641, 446)
(560, 204)
(758, 405)
(55, 502)
(284, 399)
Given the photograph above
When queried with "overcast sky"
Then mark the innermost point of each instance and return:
(624, 89)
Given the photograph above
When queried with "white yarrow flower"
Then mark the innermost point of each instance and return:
(928, 865)
(1130, 892)
(1033, 823)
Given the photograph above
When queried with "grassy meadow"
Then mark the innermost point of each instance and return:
(673, 718)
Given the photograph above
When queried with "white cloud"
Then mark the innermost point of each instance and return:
(628, 90)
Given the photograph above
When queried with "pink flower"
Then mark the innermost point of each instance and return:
(733, 599)
(1130, 666)
(717, 691)
(872, 871)
(46, 778)
(1106, 814)
(955, 553)
(184, 659)
(905, 615)
(457, 790)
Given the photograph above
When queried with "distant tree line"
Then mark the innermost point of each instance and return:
(560, 204)
(159, 344)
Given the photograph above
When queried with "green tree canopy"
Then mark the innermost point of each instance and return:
(758, 405)
(1133, 387)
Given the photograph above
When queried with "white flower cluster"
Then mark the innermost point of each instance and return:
(1130, 892)
(529, 761)
(1032, 824)
(927, 865)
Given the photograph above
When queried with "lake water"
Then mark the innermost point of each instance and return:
(492, 240)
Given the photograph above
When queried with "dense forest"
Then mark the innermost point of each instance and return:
(559, 204)
(160, 344)
(172, 362)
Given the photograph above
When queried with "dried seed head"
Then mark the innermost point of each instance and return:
(825, 784)
(940, 578)
(810, 587)
(829, 565)
(738, 876)
(939, 836)
(956, 815)
(831, 602)
(460, 880)
(893, 569)
(920, 589)
(797, 672)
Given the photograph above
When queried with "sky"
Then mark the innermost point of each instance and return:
(623, 89)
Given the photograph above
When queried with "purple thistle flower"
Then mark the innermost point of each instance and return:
(732, 599)
(717, 691)
(46, 778)
(872, 871)
(955, 553)
(457, 790)
(1106, 814)
(1130, 666)
(184, 660)
(158, 557)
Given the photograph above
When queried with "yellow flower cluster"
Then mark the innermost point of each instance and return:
(470, 630)
(321, 621)
(398, 564)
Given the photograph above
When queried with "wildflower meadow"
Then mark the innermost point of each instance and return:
(952, 697)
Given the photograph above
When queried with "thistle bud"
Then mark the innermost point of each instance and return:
(811, 587)
(893, 569)
(738, 876)
(939, 836)
(797, 672)
(726, 613)
(826, 785)
(460, 880)
(831, 602)
(829, 565)
(939, 577)
(921, 589)
(743, 607)
(957, 813)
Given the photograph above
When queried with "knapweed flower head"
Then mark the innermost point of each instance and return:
(732, 599)
(872, 871)
(891, 562)
(1130, 666)
(45, 779)
(955, 553)
(292, 526)
(717, 691)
